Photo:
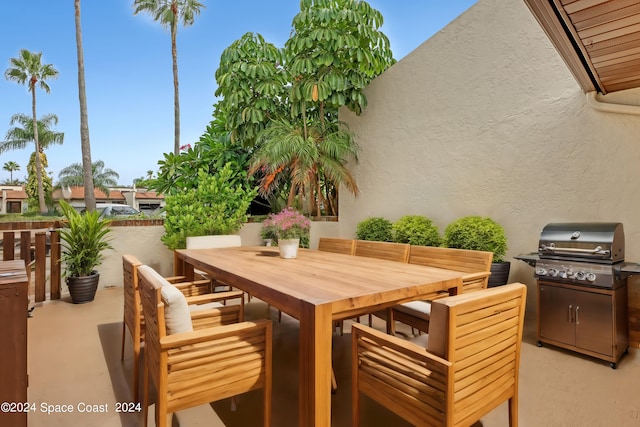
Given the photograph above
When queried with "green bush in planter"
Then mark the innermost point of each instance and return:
(375, 228)
(477, 233)
(416, 230)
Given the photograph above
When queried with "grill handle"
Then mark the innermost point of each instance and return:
(595, 251)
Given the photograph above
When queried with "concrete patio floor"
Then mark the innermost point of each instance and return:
(74, 359)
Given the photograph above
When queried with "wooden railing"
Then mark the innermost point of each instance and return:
(34, 253)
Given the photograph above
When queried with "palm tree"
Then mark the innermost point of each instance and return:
(18, 137)
(313, 160)
(10, 167)
(28, 69)
(89, 195)
(149, 174)
(73, 176)
(168, 13)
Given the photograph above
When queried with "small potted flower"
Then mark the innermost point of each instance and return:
(290, 229)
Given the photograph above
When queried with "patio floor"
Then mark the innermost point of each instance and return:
(74, 358)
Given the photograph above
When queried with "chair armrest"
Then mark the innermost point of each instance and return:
(210, 334)
(175, 279)
(218, 296)
(470, 277)
(398, 344)
(212, 317)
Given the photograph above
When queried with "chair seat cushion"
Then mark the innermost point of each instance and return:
(415, 308)
(176, 311)
(207, 306)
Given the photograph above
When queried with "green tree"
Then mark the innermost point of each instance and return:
(28, 69)
(211, 153)
(31, 186)
(103, 178)
(335, 50)
(11, 167)
(314, 161)
(85, 143)
(18, 137)
(169, 13)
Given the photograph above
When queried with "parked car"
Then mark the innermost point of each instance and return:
(114, 210)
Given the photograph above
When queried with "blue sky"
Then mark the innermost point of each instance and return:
(128, 70)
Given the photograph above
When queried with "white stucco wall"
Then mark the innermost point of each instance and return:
(144, 242)
(484, 118)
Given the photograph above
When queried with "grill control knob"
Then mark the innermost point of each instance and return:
(591, 277)
(563, 274)
(553, 272)
(580, 275)
(541, 271)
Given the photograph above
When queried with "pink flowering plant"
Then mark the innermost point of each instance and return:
(287, 224)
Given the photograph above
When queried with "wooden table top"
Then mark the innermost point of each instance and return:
(12, 272)
(349, 283)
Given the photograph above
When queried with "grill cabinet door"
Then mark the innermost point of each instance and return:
(556, 316)
(594, 322)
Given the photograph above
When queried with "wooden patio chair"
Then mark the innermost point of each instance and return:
(398, 252)
(193, 367)
(469, 367)
(339, 246)
(475, 264)
(199, 293)
(212, 242)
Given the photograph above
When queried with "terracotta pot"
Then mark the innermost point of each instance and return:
(83, 289)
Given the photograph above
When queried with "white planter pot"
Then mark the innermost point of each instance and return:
(288, 247)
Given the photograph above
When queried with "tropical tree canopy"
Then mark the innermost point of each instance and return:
(283, 103)
(169, 13)
(28, 69)
(17, 138)
(11, 167)
(103, 178)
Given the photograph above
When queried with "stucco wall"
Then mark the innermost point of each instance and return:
(144, 242)
(485, 119)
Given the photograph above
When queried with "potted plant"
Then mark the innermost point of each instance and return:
(83, 239)
(291, 230)
(481, 234)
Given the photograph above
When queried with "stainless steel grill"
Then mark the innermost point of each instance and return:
(587, 254)
(582, 288)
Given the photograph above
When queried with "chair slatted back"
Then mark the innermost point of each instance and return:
(481, 334)
(339, 246)
(151, 296)
(132, 305)
(464, 260)
(383, 250)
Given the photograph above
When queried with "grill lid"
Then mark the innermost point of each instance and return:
(595, 241)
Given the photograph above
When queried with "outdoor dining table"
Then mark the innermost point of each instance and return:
(318, 288)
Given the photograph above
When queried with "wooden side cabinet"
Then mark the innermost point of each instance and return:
(590, 321)
(14, 301)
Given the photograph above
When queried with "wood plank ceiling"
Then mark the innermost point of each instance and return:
(598, 39)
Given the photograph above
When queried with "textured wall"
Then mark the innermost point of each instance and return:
(484, 118)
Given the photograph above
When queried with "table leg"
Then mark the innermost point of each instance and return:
(316, 328)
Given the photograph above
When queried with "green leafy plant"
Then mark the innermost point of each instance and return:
(477, 233)
(83, 239)
(218, 205)
(416, 230)
(375, 228)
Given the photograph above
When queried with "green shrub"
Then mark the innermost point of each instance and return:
(217, 206)
(375, 228)
(416, 230)
(477, 233)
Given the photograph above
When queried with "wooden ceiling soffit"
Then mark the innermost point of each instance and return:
(553, 19)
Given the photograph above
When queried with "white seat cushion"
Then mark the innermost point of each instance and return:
(415, 308)
(176, 310)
